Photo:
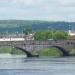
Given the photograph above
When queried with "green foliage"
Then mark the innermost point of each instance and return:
(27, 30)
(42, 35)
(5, 50)
(16, 51)
(50, 34)
(50, 52)
(60, 35)
(11, 51)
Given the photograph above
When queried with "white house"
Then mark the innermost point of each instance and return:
(71, 33)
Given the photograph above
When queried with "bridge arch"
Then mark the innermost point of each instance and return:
(25, 51)
(64, 51)
(29, 54)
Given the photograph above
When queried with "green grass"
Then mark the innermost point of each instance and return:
(72, 52)
(16, 51)
(45, 52)
(5, 50)
(50, 52)
(11, 51)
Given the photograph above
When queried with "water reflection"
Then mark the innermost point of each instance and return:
(20, 65)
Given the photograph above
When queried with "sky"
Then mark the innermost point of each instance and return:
(51, 10)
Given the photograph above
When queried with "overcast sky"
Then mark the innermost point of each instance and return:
(51, 10)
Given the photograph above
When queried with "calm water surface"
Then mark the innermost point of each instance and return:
(20, 65)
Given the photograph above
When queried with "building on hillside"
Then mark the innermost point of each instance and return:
(71, 33)
(29, 37)
(16, 37)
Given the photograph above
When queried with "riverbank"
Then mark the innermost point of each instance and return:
(45, 52)
(51, 51)
(11, 51)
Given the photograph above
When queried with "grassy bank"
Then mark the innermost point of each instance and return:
(51, 51)
(45, 52)
(11, 51)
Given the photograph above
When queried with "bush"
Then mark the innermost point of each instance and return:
(47, 34)
(50, 52)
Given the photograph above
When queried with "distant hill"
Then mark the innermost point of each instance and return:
(12, 26)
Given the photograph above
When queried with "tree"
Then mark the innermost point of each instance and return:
(60, 35)
(43, 35)
(27, 30)
(47, 34)
(40, 35)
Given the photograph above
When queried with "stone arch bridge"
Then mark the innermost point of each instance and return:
(65, 46)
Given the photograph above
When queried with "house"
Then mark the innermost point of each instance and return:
(71, 33)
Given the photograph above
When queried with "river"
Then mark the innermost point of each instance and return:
(20, 65)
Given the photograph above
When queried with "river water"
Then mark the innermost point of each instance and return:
(20, 65)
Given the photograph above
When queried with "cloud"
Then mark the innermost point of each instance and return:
(38, 9)
(27, 2)
(41, 2)
(68, 3)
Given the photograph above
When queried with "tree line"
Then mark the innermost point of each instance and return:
(50, 34)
